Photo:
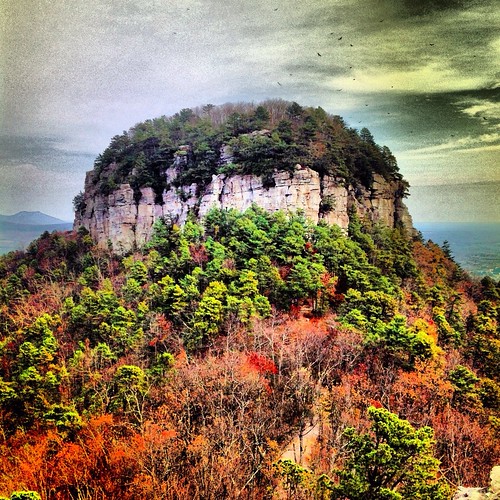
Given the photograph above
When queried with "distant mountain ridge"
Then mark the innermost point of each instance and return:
(20, 229)
(31, 218)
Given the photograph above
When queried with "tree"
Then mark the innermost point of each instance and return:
(261, 117)
(366, 136)
(130, 391)
(392, 462)
(209, 315)
(295, 111)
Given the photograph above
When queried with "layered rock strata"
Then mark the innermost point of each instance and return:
(123, 222)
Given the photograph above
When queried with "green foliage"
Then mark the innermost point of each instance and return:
(34, 382)
(406, 344)
(100, 317)
(445, 331)
(136, 270)
(305, 280)
(328, 204)
(79, 203)
(209, 314)
(393, 461)
(464, 384)
(66, 420)
(489, 394)
(245, 300)
(25, 495)
(298, 481)
(168, 296)
(375, 306)
(261, 138)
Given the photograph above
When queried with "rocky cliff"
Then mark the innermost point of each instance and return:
(123, 220)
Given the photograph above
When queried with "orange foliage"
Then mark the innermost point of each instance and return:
(466, 447)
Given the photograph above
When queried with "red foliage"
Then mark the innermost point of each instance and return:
(199, 254)
(263, 365)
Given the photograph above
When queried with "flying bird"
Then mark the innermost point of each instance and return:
(318, 54)
(431, 44)
(340, 38)
(279, 84)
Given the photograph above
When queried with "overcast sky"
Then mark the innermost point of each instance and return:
(422, 75)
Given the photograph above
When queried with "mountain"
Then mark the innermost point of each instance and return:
(251, 352)
(278, 156)
(18, 230)
(31, 218)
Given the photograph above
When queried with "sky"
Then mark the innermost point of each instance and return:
(422, 75)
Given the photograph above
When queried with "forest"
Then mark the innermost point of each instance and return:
(248, 355)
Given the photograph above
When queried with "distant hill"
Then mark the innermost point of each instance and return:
(31, 218)
(18, 230)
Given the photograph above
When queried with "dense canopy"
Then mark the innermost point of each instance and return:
(186, 369)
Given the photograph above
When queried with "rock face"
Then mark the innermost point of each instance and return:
(491, 493)
(124, 222)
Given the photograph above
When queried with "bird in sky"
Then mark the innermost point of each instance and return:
(340, 38)
(318, 54)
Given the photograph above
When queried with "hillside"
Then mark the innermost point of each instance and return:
(245, 352)
(187, 369)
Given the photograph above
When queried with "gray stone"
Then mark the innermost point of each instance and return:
(126, 224)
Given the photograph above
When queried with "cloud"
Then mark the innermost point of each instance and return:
(85, 71)
(486, 110)
(468, 144)
(432, 77)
